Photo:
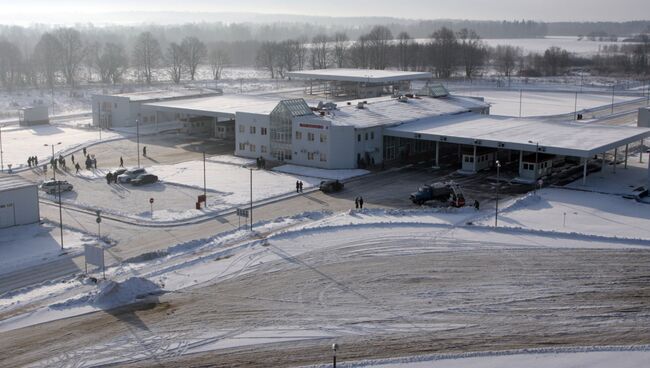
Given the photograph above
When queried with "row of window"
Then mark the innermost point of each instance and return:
(253, 130)
(311, 137)
(531, 167)
(312, 156)
(470, 159)
(252, 148)
(372, 136)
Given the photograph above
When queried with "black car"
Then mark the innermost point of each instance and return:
(330, 186)
(144, 179)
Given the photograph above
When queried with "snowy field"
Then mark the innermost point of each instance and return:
(560, 358)
(541, 103)
(19, 143)
(27, 245)
(622, 182)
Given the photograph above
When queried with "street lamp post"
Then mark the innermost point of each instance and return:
(496, 208)
(137, 133)
(251, 202)
(2, 164)
(335, 347)
(536, 164)
(52, 145)
(60, 214)
(205, 191)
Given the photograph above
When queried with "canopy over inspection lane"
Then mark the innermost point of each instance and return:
(558, 138)
(223, 106)
(360, 75)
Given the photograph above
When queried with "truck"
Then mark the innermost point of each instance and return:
(441, 191)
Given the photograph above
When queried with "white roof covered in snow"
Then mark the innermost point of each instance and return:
(9, 182)
(220, 106)
(166, 94)
(386, 111)
(558, 138)
(360, 75)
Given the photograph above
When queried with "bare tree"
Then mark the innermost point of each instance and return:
(320, 51)
(359, 53)
(72, 53)
(555, 58)
(194, 51)
(378, 43)
(218, 60)
(300, 47)
(505, 58)
(112, 63)
(472, 51)
(340, 48)
(267, 57)
(175, 62)
(93, 52)
(444, 47)
(287, 57)
(403, 44)
(146, 54)
(46, 54)
(10, 64)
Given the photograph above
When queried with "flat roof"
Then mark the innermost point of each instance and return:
(223, 106)
(386, 111)
(360, 75)
(558, 138)
(165, 94)
(9, 182)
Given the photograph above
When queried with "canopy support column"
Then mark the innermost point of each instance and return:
(437, 154)
(474, 161)
(584, 171)
(626, 152)
(615, 159)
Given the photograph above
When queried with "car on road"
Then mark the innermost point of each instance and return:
(330, 186)
(144, 179)
(52, 186)
(129, 175)
(449, 192)
(119, 172)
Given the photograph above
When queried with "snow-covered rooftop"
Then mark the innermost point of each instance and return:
(166, 94)
(8, 182)
(223, 105)
(559, 138)
(360, 75)
(386, 111)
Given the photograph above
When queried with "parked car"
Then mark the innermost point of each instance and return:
(144, 179)
(329, 186)
(130, 175)
(119, 172)
(52, 186)
(449, 192)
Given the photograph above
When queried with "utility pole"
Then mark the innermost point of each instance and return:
(496, 208)
(60, 215)
(575, 108)
(613, 87)
(2, 164)
(520, 98)
(137, 133)
(205, 190)
(251, 203)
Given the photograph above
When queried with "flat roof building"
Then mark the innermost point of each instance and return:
(18, 201)
(357, 83)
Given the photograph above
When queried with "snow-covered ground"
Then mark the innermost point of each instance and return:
(541, 103)
(623, 181)
(18, 143)
(27, 245)
(321, 173)
(557, 358)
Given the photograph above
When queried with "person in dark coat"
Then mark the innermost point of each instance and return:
(144, 151)
(297, 186)
(360, 202)
(77, 166)
(121, 162)
(356, 202)
(36, 160)
(94, 162)
(301, 184)
(476, 204)
(29, 161)
(72, 158)
(109, 177)
(84, 150)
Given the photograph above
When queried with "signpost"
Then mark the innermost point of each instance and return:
(95, 256)
(99, 228)
(151, 204)
(241, 212)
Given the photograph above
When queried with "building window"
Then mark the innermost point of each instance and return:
(372, 135)
(310, 156)
(263, 131)
(145, 119)
(252, 148)
(252, 129)
(152, 118)
(323, 137)
(242, 146)
(323, 157)
(298, 135)
(366, 136)
(358, 137)
(242, 129)
(263, 148)
(311, 137)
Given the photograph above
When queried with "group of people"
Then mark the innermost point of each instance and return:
(261, 162)
(299, 185)
(32, 161)
(111, 178)
(358, 202)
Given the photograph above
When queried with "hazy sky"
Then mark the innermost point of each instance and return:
(547, 10)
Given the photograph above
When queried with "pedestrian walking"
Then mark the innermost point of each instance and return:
(94, 162)
(144, 151)
(476, 204)
(360, 202)
(121, 162)
(45, 169)
(301, 184)
(77, 166)
(29, 161)
(35, 160)
(72, 158)
(297, 186)
(356, 202)
(85, 151)
(109, 177)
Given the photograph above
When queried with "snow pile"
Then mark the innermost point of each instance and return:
(229, 159)
(312, 172)
(113, 294)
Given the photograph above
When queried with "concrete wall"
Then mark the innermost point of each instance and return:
(342, 148)
(34, 115)
(368, 145)
(315, 152)
(249, 144)
(117, 109)
(19, 206)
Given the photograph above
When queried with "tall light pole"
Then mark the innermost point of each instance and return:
(251, 202)
(613, 87)
(575, 108)
(536, 164)
(520, 98)
(52, 145)
(335, 347)
(496, 208)
(205, 191)
(2, 164)
(137, 133)
(60, 214)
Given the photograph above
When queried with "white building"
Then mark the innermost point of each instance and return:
(33, 115)
(122, 110)
(18, 201)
